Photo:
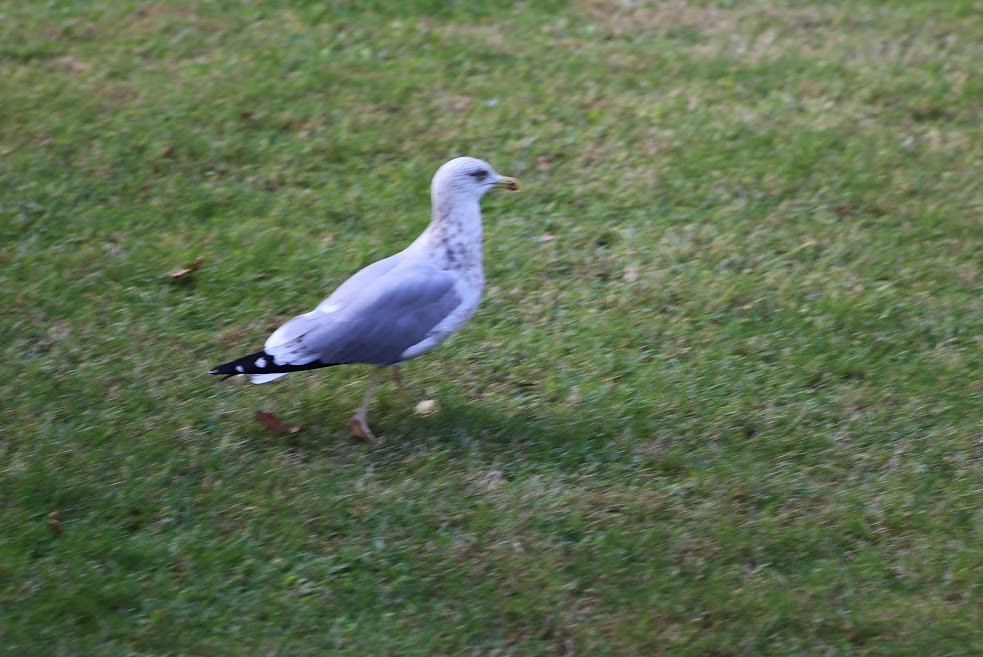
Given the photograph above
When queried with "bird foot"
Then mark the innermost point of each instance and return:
(358, 426)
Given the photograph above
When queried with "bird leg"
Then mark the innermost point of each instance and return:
(359, 425)
(398, 379)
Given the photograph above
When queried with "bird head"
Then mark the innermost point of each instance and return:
(470, 178)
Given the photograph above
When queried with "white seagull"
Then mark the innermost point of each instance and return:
(397, 308)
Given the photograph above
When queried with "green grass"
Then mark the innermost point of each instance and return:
(733, 407)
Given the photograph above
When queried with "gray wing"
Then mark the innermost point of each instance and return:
(390, 314)
(352, 288)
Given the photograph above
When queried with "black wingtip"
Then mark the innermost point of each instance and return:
(226, 371)
(261, 363)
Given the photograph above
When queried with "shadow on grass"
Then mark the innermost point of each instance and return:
(467, 430)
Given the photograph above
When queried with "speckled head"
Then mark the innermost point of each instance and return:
(468, 178)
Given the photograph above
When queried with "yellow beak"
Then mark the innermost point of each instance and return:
(510, 184)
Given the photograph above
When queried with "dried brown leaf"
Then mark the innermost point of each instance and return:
(54, 522)
(275, 424)
(185, 271)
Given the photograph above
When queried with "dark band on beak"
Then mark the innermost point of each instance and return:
(510, 184)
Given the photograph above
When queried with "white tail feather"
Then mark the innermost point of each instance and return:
(266, 378)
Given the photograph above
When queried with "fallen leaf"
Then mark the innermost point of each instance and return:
(168, 150)
(184, 271)
(631, 273)
(245, 116)
(426, 407)
(275, 424)
(543, 163)
(546, 237)
(54, 522)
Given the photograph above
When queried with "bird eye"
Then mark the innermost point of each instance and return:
(480, 174)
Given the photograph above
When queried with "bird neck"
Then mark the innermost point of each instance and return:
(455, 233)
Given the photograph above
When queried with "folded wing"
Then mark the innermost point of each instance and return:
(375, 324)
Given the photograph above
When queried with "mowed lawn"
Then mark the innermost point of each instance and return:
(724, 394)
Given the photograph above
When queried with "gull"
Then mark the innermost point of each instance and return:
(397, 308)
